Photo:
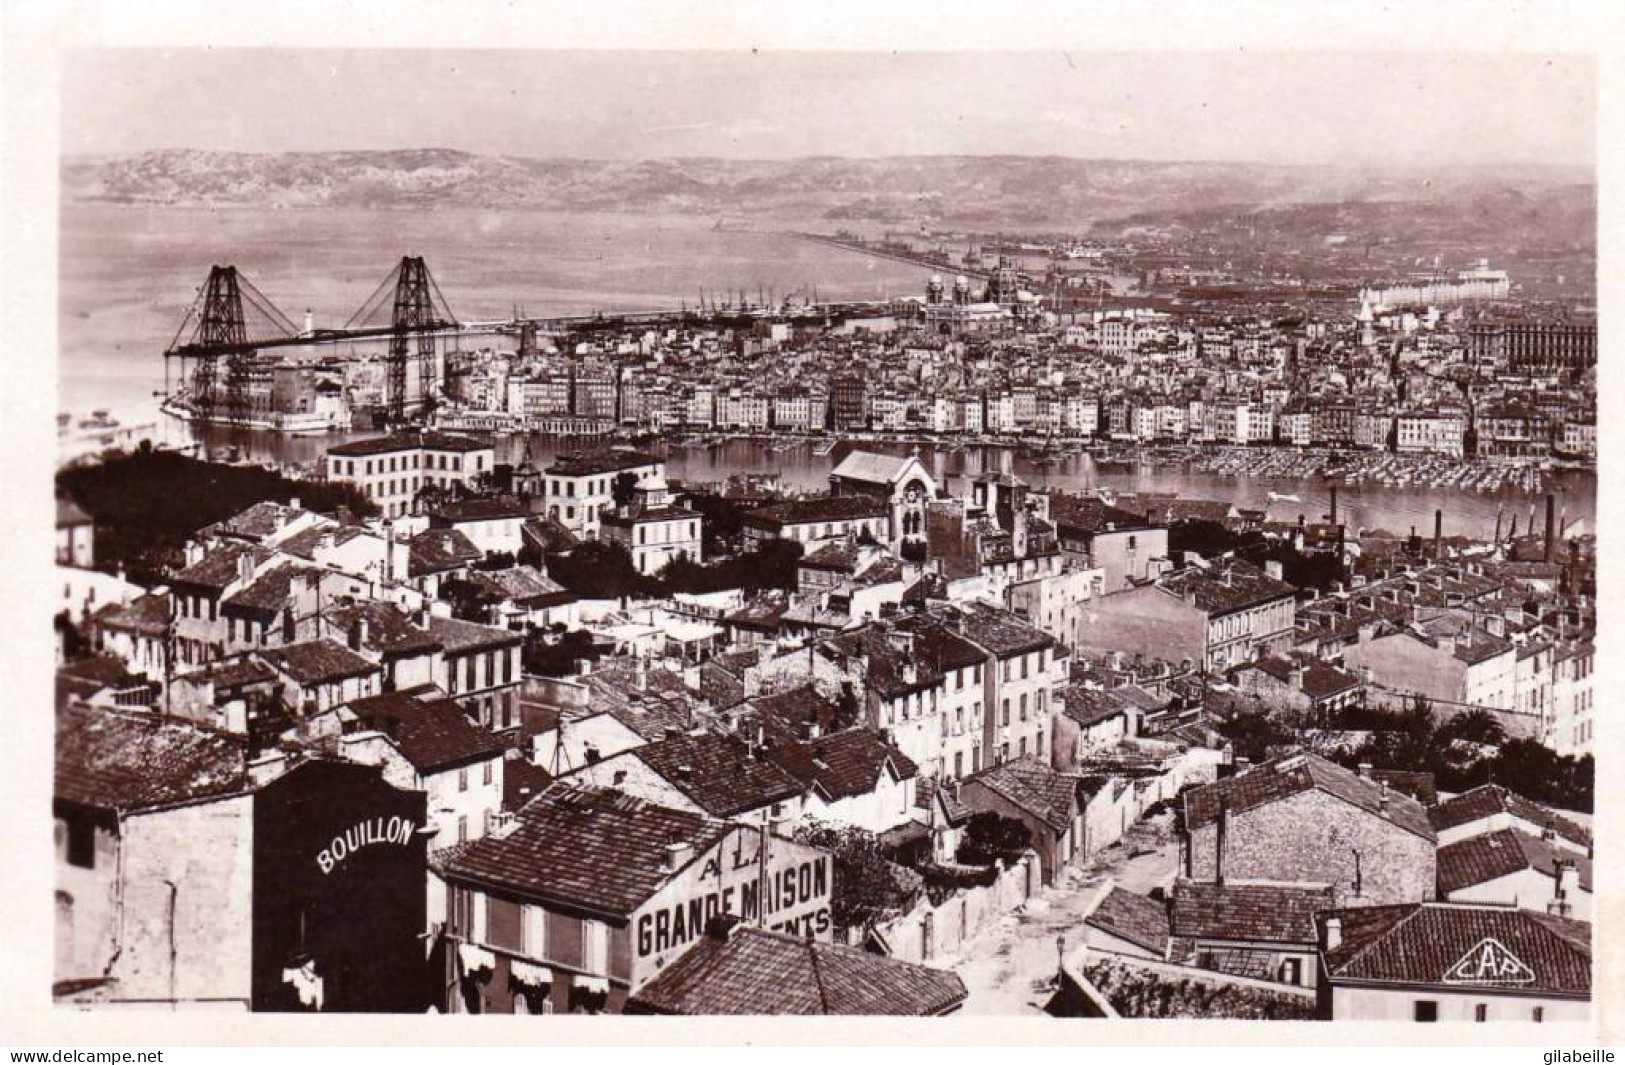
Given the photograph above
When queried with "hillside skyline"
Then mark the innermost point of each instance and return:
(1312, 108)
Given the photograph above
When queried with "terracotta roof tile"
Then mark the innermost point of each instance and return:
(756, 972)
(116, 761)
(1424, 943)
(593, 848)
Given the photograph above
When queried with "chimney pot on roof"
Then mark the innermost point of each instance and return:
(721, 927)
(1365, 770)
(1334, 932)
(677, 855)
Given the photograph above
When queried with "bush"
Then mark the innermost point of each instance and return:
(942, 882)
(991, 838)
(559, 659)
(1137, 992)
(147, 503)
(868, 888)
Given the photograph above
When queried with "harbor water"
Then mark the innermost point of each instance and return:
(128, 274)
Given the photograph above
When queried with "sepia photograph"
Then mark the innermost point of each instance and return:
(1067, 535)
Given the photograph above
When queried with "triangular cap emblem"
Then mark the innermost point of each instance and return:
(1490, 962)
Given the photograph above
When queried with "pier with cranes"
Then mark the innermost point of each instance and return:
(231, 320)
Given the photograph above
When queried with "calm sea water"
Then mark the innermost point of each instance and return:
(128, 275)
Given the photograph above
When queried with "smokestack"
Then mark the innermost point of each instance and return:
(1512, 534)
(1334, 505)
(1498, 512)
(1438, 534)
(1551, 525)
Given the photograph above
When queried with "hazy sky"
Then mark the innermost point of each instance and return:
(1432, 109)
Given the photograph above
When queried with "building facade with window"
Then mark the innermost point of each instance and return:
(391, 470)
(1438, 961)
(578, 488)
(588, 892)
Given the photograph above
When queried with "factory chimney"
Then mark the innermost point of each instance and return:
(1333, 517)
(1551, 525)
(1498, 512)
(1438, 534)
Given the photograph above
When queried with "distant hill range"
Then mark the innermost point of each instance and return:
(970, 191)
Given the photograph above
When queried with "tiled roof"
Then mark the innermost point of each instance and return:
(839, 555)
(1321, 679)
(437, 550)
(783, 715)
(125, 762)
(270, 592)
(1237, 586)
(549, 534)
(587, 464)
(756, 972)
(1418, 784)
(317, 661)
(1487, 800)
(220, 567)
(258, 523)
(870, 466)
(147, 615)
(409, 441)
(1422, 943)
(235, 673)
(1087, 516)
(1295, 774)
(303, 544)
(524, 584)
(939, 645)
(1033, 786)
(586, 847)
(843, 764)
(390, 630)
(1480, 859)
(913, 658)
(1000, 631)
(816, 508)
(499, 508)
(928, 789)
(429, 728)
(719, 686)
(69, 513)
(456, 635)
(1132, 917)
(1089, 706)
(762, 613)
(522, 781)
(717, 773)
(662, 706)
(1248, 913)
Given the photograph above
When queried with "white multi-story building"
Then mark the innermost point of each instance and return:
(652, 530)
(576, 489)
(1431, 433)
(391, 470)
